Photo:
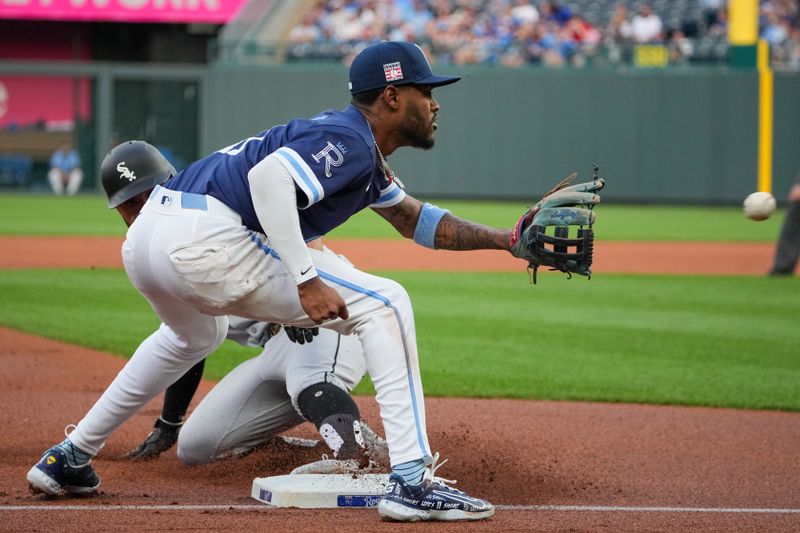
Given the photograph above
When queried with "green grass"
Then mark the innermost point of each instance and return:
(725, 341)
(98, 308)
(614, 222)
(88, 215)
(720, 341)
(29, 214)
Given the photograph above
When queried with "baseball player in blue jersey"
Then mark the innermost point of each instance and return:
(226, 236)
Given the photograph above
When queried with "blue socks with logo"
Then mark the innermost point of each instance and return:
(75, 456)
(411, 472)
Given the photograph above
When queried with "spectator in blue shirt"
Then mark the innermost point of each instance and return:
(65, 174)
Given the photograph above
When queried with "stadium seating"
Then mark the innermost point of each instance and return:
(684, 15)
(15, 170)
(486, 36)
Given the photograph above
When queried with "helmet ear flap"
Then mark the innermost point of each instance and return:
(131, 168)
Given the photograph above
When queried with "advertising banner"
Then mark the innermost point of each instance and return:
(43, 102)
(168, 11)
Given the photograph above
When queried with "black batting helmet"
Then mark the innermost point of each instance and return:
(131, 168)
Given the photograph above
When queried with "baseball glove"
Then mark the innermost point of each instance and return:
(542, 235)
(162, 438)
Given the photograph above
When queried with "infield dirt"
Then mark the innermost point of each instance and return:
(626, 257)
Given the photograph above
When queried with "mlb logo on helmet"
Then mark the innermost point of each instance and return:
(393, 63)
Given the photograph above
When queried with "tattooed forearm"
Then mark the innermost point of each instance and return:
(452, 233)
(403, 216)
(455, 233)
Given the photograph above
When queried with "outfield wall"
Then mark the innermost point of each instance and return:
(678, 135)
(675, 135)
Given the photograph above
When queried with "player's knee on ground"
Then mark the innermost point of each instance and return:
(194, 455)
(196, 447)
(336, 416)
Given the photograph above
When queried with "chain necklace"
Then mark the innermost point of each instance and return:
(388, 173)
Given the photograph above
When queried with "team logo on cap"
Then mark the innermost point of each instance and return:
(393, 71)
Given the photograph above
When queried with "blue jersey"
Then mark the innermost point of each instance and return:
(331, 157)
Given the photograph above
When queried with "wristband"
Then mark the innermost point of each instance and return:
(425, 232)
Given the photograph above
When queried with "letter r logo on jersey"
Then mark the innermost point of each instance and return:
(332, 155)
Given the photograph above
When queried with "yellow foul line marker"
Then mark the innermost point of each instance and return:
(765, 116)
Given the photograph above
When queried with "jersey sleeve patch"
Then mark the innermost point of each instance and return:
(302, 174)
(391, 195)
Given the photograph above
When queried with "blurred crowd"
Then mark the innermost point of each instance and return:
(780, 27)
(525, 32)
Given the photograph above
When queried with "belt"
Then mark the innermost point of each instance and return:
(187, 200)
(162, 198)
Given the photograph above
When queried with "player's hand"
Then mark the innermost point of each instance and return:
(162, 438)
(300, 335)
(320, 301)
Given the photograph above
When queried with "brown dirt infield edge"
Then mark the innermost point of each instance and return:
(628, 257)
(514, 453)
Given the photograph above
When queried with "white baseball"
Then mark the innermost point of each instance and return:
(759, 206)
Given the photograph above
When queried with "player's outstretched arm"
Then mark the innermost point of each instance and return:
(441, 229)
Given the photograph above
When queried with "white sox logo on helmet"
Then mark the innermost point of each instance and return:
(125, 172)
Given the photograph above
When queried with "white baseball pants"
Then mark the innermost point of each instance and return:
(257, 399)
(195, 262)
(62, 182)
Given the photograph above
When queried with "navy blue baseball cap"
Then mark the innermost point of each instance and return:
(393, 63)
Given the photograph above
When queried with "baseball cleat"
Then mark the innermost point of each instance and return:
(53, 474)
(432, 499)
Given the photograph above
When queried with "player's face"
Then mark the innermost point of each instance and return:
(419, 121)
(129, 209)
